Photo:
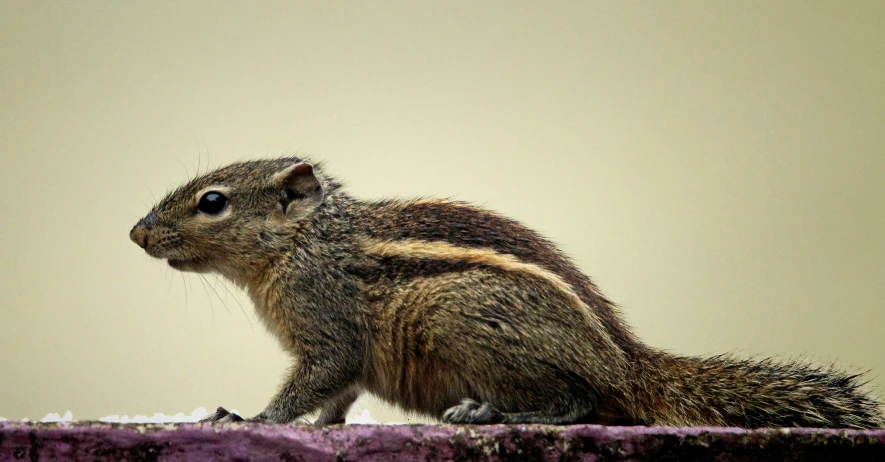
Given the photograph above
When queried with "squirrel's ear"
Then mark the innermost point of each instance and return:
(300, 190)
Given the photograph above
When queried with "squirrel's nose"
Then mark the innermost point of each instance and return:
(139, 233)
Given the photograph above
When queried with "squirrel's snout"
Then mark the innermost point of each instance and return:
(139, 236)
(139, 233)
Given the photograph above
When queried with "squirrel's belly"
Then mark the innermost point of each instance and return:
(415, 383)
(408, 366)
(512, 341)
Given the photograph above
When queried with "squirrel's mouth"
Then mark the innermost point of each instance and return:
(186, 264)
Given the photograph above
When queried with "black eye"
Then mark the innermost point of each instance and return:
(212, 202)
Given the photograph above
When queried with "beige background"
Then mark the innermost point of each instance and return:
(717, 167)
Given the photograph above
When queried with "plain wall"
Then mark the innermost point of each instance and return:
(717, 167)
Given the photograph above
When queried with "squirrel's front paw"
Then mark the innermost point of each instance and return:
(222, 415)
(471, 412)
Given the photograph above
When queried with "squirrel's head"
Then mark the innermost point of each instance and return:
(223, 220)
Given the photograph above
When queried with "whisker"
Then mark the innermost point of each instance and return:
(199, 157)
(186, 170)
(184, 283)
(211, 303)
(236, 299)
(169, 289)
(199, 151)
(145, 183)
(206, 147)
(216, 294)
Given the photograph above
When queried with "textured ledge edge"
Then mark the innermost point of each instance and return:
(245, 441)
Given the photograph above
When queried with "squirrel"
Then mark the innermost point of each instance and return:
(452, 311)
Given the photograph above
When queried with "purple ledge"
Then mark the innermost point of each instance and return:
(243, 441)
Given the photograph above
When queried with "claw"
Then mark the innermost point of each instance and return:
(222, 415)
(471, 412)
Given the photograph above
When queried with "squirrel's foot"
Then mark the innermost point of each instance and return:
(471, 412)
(222, 415)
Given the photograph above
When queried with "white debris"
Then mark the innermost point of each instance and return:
(53, 417)
(363, 418)
(158, 417)
(357, 415)
(198, 414)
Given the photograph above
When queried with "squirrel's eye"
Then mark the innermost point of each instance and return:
(212, 202)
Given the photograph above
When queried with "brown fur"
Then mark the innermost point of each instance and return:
(449, 310)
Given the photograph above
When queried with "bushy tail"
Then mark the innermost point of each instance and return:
(722, 391)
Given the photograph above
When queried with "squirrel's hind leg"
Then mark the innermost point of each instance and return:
(335, 410)
(472, 412)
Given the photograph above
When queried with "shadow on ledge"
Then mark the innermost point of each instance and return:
(243, 441)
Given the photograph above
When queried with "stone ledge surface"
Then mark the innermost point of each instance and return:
(245, 441)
